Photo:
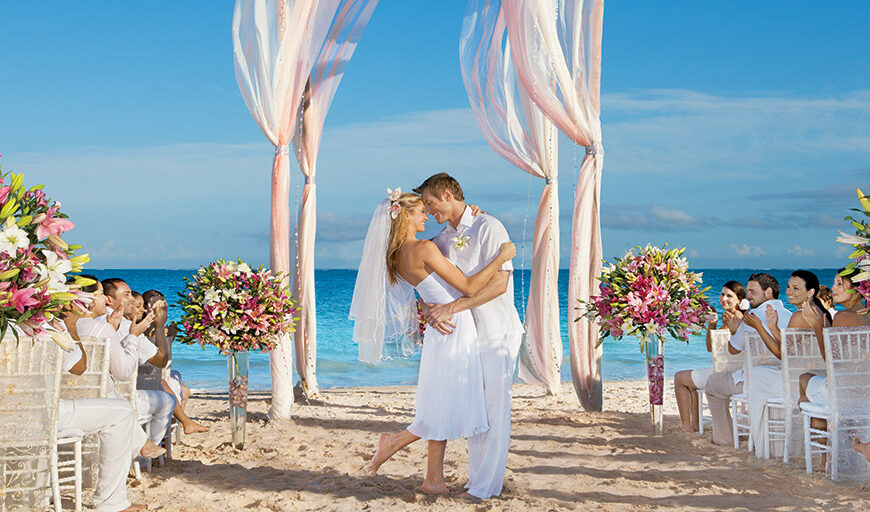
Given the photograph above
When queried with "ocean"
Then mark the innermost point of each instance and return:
(337, 364)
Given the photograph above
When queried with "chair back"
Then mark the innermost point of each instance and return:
(29, 388)
(757, 353)
(723, 360)
(848, 364)
(127, 390)
(800, 354)
(94, 383)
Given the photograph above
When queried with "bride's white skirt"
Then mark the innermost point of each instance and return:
(450, 399)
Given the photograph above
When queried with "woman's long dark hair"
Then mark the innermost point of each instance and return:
(737, 288)
(812, 283)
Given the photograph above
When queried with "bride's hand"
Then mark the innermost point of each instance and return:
(476, 210)
(507, 251)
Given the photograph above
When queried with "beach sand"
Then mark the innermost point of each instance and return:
(561, 458)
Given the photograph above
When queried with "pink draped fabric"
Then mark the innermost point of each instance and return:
(518, 131)
(562, 39)
(351, 18)
(275, 43)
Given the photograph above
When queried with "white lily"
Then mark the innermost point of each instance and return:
(460, 241)
(852, 239)
(54, 268)
(13, 238)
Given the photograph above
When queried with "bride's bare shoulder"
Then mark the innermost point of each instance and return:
(420, 247)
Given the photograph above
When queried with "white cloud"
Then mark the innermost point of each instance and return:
(797, 250)
(744, 250)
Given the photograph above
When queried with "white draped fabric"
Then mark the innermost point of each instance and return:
(518, 131)
(561, 39)
(351, 18)
(275, 43)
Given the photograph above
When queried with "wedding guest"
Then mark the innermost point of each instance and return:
(688, 382)
(827, 299)
(155, 301)
(814, 388)
(154, 406)
(112, 420)
(801, 290)
(122, 352)
(762, 291)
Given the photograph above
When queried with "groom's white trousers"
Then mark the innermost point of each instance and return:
(487, 452)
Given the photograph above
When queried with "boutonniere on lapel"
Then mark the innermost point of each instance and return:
(460, 242)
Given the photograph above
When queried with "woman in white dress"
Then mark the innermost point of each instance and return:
(450, 400)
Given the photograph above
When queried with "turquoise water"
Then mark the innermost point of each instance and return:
(337, 365)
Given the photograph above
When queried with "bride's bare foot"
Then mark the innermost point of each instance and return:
(380, 455)
(862, 448)
(151, 450)
(193, 427)
(434, 488)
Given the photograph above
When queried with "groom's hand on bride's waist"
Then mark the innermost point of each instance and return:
(440, 317)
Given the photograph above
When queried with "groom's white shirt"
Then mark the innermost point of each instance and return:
(498, 318)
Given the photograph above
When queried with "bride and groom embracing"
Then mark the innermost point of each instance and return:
(473, 335)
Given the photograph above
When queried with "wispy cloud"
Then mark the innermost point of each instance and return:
(767, 170)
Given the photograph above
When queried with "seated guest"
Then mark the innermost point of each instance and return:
(688, 382)
(762, 290)
(154, 301)
(827, 299)
(814, 388)
(801, 290)
(154, 406)
(112, 420)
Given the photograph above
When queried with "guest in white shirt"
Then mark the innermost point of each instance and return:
(153, 300)
(110, 418)
(154, 406)
(122, 353)
(688, 382)
(762, 291)
(766, 381)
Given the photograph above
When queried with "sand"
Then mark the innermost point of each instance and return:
(561, 458)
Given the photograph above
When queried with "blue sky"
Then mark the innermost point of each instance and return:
(737, 129)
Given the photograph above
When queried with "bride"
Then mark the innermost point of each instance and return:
(450, 400)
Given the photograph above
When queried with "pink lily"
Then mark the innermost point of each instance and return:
(53, 226)
(22, 299)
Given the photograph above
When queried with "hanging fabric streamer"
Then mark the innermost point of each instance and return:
(561, 39)
(350, 21)
(275, 44)
(518, 131)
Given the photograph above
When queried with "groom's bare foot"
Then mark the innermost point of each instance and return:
(468, 496)
(434, 488)
(380, 455)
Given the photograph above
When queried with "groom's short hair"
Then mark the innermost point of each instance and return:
(438, 183)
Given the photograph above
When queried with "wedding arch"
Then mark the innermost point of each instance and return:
(531, 68)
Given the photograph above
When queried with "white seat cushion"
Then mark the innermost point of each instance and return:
(776, 400)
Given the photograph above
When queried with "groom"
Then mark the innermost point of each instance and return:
(470, 242)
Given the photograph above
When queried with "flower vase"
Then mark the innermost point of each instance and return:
(655, 371)
(237, 376)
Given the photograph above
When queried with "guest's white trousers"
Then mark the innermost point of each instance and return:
(120, 439)
(487, 452)
(155, 410)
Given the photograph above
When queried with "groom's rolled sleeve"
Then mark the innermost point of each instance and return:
(492, 236)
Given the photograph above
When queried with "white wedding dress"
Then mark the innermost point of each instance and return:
(450, 399)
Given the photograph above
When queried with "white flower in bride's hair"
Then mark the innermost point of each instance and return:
(395, 208)
(745, 305)
(394, 195)
(460, 241)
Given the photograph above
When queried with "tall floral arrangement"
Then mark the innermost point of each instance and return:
(861, 242)
(35, 261)
(648, 294)
(235, 308)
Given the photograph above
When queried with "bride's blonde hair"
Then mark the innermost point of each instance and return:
(399, 230)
